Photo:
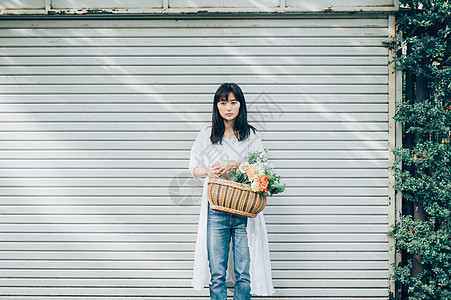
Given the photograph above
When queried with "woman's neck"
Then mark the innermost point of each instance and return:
(228, 131)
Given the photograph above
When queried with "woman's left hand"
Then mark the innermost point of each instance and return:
(224, 166)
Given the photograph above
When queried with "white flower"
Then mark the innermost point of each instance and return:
(255, 186)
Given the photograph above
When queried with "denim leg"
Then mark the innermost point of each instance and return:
(241, 259)
(218, 239)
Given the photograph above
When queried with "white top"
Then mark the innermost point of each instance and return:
(203, 153)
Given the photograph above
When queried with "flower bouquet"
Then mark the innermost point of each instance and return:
(246, 194)
(259, 174)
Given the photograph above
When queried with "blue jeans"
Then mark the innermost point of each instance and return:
(221, 227)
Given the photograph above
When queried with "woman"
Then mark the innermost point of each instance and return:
(218, 149)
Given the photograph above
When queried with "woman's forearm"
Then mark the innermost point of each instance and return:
(200, 171)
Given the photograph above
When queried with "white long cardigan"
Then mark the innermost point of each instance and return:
(203, 153)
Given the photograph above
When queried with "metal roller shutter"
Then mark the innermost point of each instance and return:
(97, 118)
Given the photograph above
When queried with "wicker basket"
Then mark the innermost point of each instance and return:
(234, 198)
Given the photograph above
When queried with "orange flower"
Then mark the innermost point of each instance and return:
(262, 180)
(423, 156)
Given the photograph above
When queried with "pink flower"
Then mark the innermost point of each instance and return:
(250, 172)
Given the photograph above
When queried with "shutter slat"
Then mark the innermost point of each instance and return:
(136, 56)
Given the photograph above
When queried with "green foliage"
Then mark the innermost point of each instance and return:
(434, 246)
(426, 27)
(238, 176)
(430, 184)
(425, 176)
(429, 119)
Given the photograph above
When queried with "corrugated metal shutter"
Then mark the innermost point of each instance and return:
(97, 118)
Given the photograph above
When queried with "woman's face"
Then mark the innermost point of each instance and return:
(229, 108)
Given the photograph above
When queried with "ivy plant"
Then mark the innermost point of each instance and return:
(422, 169)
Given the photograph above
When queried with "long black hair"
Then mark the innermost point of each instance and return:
(241, 128)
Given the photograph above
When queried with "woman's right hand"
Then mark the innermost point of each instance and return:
(215, 171)
(201, 171)
(224, 166)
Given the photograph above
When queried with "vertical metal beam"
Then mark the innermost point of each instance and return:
(282, 4)
(398, 125)
(391, 146)
(48, 5)
(165, 4)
